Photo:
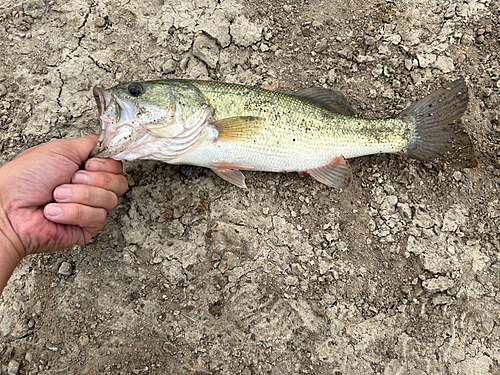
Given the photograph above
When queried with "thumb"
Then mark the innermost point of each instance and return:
(79, 149)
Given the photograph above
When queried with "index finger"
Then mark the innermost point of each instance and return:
(104, 165)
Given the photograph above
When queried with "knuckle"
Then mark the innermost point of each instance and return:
(90, 195)
(80, 212)
(106, 180)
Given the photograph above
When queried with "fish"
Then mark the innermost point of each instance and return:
(231, 128)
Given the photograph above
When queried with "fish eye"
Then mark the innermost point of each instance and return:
(135, 89)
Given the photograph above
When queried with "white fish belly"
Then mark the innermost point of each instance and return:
(271, 156)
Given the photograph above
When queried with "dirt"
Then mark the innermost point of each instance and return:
(397, 274)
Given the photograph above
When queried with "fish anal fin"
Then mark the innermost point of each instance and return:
(336, 174)
(237, 128)
(226, 165)
(233, 176)
(331, 100)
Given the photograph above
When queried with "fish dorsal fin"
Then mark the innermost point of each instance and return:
(233, 176)
(237, 128)
(331, 100)
(336, 174)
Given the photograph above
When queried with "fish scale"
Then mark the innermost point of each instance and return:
(296, 127)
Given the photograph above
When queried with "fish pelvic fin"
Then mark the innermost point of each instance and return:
(433, 132)
(336, 174)
(332, 100)
(238, 128)
(233, 176)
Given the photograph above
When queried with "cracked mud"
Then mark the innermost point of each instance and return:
(397, 274)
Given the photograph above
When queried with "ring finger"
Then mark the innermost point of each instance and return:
(87, 195)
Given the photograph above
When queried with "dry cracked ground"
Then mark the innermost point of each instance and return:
(397, 274)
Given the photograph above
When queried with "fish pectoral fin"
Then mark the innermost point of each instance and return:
(237, 128)
(233, 176)
(336, 174)
(331, 100)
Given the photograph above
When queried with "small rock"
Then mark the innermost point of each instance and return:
(100, 22)
(244, 32)
(425, 59)
(13, 367)
(128, 258)
(108, 255)
(404, 210)
(394, 39)
(389, 189)
(369, 40)
(176, 213)
(173, 271)
(454, 218)
(65, 269)
(444, 63)
(439, 284)
(84, 339)
(332, 76)
(408, 64)
(169, 347)
(206, 50)
(45, 355)
(321, 46)
(3, 90)
(457, 175)
(450, 11)
(391, 200)
(442, 300)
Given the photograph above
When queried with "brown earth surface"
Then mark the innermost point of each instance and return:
(397, 274)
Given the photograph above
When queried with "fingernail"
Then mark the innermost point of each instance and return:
(80, 178)
(62, 193)
(53, 210)
(95, 165)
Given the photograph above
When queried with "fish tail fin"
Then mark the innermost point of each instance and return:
(432, 131)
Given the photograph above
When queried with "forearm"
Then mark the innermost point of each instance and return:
(9, 259)
(9, 254)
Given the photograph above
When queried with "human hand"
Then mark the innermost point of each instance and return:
(48, 173)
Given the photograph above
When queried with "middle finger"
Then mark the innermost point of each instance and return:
(109, 181)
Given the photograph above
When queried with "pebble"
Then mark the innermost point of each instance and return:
(100, 22)
(65, 268)
(444, 63)
(450, 11)
(457, 175)
(205, 48)
(439, 284)
(391, 200)
(3, 90)
(244, 32)
(425, 59)
(389, 189)
(321, 46)
(13, 367)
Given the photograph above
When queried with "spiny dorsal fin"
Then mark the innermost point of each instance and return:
(331, 100)
(237, 128)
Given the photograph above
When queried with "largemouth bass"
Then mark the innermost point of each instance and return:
(229, 128)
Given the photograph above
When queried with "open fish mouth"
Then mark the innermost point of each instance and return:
(116, 116)
(102, 99)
